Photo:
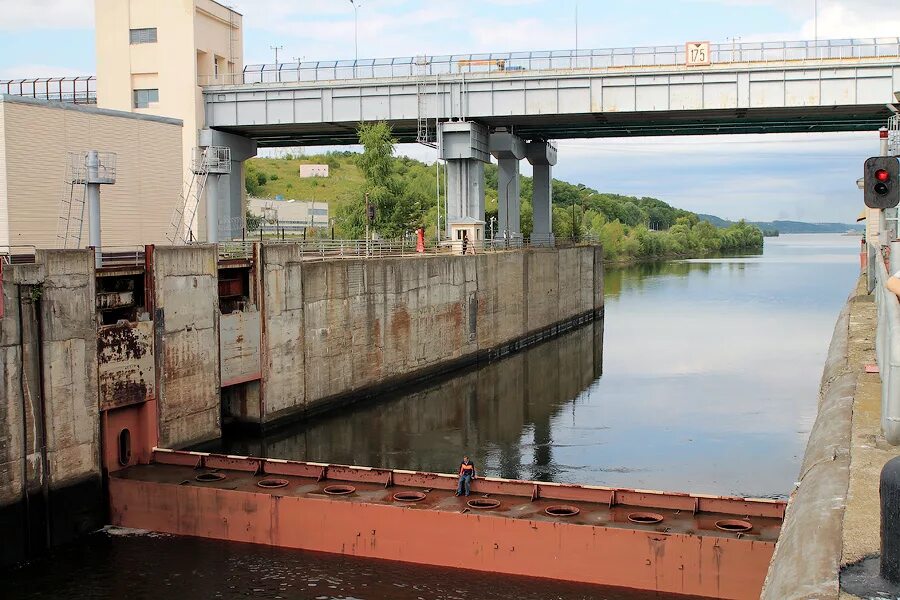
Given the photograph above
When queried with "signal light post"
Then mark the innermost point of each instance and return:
(881, 182)
(881, 189)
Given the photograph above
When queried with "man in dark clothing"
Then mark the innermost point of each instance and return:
(466, 476)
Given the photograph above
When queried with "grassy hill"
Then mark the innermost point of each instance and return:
(271, 177)
(629, 227)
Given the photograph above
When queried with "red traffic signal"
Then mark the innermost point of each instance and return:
(882, 182)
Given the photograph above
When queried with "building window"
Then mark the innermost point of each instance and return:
(216, 68)
(147, 35)
(145, 98)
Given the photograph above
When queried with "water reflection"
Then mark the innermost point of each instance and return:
(500, 414)
(710, 385)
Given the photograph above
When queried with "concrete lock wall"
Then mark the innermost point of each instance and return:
(317, 334)
(338, 328)
(187, 343)
(50, 485)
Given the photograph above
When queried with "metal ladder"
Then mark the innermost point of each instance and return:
(424, 135)
(186, 210)
(71, 206)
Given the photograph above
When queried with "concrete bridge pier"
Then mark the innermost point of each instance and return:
(508, 149)
(464, 145)
(224, 190)
(542, 156)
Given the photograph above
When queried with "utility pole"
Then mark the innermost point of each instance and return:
(356, 4)
(576, 32)
(277, 68)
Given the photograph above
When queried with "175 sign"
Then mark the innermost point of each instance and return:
(696, 54)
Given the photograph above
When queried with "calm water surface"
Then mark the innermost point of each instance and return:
(703, 377)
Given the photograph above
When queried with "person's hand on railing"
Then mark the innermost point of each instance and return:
(893, 284)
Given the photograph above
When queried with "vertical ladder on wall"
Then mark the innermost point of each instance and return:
(180, 229)
(425, 135)
(71, 206)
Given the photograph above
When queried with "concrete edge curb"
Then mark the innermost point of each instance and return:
(806, 563)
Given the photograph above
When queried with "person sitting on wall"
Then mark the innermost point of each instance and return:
(466, 476)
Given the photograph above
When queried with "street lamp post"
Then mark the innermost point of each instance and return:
(356, 4)
(277, 68)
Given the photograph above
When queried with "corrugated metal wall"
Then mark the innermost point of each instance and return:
(136, 210)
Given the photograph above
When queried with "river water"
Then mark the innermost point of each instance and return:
(702, 377)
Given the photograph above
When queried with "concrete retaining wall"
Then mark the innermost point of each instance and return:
(339, 328)
(807, 558)
(187, 344)
(50, 485)
(330, 331)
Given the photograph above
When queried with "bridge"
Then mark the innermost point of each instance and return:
(834, 85)
(509, 105)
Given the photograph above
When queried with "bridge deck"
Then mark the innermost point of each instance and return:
(844, 88)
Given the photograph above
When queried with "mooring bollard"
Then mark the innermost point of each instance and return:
(890, 521)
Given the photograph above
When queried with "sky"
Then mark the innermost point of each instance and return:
(809, 177)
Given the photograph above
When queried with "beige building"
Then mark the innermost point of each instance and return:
(152, 58)
(35, 139)
(290, 215)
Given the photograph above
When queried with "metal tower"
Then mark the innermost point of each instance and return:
(85, 173)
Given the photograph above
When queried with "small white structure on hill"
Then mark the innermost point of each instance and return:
(313, 171)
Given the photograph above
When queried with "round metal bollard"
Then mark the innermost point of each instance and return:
(890, 521)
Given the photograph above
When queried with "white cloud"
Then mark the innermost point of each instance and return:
(46, 14)
(854, 19)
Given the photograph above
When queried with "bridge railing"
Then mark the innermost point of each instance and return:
(887, 350)
(75, 90)
(553, 60)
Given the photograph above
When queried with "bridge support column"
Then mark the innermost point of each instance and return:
(228, 188)
(508, 149)
(542, 156)
(464, 145)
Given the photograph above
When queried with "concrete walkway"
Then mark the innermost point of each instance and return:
(868, 449)
(833, 518)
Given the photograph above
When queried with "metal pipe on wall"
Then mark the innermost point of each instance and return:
(92, 183)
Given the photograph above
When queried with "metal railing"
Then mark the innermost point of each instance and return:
(75, 90)
(894, 135)
(326, 249)
(551, 60)
(120, 256)
(17, 254)
(887, 350)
